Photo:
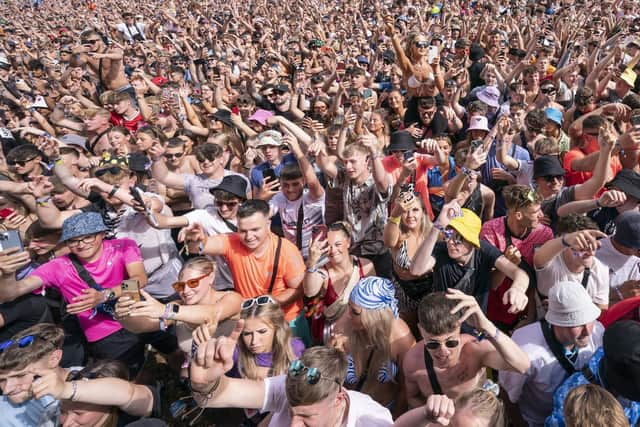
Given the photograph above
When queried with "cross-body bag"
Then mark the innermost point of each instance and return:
(556, 348)
(106, 308)
(276, 261)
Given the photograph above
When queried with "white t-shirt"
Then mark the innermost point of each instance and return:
(313, 214)
(129, 31)
(621, 267)
(213, 225)
(363, 410)
(557, 271)
(524, 174)
(533, 390)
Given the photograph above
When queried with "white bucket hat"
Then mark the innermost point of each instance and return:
(570, 305)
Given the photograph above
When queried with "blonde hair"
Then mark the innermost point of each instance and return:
(484, 404)
(589, 405)
(202, 264)
(352, 149)
(375, 335)
(546, 146)
(281, 351)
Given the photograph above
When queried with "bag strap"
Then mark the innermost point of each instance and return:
(299, 224)
(83, 273)
(365, 373)
(585, 277)
(589, 375)
(533, 281)
(556, 348)
(466, 278)
(276, 261)
(232, 226)
(433, 379)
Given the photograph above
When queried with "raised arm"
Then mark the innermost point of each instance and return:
(588, 189)
(160, 171)
(315, 188)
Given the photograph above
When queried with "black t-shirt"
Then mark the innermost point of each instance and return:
(606, 219)
(448, 273)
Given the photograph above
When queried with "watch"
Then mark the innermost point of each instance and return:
(173, 312)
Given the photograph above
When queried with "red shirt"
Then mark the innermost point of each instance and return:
(132, 125)
(424, 161)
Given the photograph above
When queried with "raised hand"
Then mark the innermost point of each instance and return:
(214, 357)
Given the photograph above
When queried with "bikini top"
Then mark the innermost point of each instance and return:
(413, 81)
(402, 258)
(386, 373)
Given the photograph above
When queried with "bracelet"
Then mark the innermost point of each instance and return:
(74, 391)
(43, 201)
(209, 393)
(167, 309)
(312, 270)
(114, 190)
(466, 172)
(163, 325)
(394, 220)
(564, 243)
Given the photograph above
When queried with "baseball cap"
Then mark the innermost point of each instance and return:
(74, 140)
(468, 225)
(570, 305)
(628, 229)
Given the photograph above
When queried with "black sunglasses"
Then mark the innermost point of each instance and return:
(20, 162)
(91, 42)
(172, 155)
(434, 345)
(548, 90)
(553, 178)
(113, 170)
(421, 44)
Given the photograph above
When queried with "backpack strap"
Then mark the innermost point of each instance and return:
(276, 261)
(433, 379)
(556, 348)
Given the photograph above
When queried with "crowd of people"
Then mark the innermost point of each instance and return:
(325, 214)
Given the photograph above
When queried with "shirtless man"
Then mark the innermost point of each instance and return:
(105, 62)
(179, 161)
(448, 361)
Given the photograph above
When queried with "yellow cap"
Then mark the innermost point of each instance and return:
(468, 226)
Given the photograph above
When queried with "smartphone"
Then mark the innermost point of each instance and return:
(131, 289)
(270, 174)
(408, 155)
(319, 232)
(136, 193)
(432, 53)
(341, 67)
(635, 121)
(4, 213)
(10, 239)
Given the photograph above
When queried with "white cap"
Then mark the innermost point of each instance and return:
(570, 305)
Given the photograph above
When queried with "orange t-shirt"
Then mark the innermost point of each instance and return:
(252, 275)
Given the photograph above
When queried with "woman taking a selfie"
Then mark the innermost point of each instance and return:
(327, 286)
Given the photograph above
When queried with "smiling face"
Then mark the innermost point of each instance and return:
(16, 384)
(339, 244)
(446, 354)
(412, 218)
(258, 335)
(577, 336)
(196, 295)
(254, 230)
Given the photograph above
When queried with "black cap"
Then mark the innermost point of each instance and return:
(620, 365)
(139, 162)
(547, 166)
(223, 116)
(234, 184)
(476, 52)
(401, 141)
(627, 181)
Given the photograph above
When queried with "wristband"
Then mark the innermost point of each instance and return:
(163, 325)
(114, 190)
(74, 391)
(312, 270)
(167, 309)
(394, 220)
(598, 203)
(466, 172)
(43, 201)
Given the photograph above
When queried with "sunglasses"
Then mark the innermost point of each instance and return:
(230, 205)
(20, 162)
(313, 374)
(91, 42)
(173, 155)
(451, 236)
(261, 300)
(421, 44)
(548, 90)
(23, 342)
(434, 345)
(192, 283)
(554, 178)
(113, 170)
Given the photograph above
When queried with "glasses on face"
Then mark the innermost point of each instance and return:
(203, 159)
(434, 345)
(229, 205)
(23, 342)
(84, 240)
(261, 300)
(173, 155)
(552, 178)
(192, 283)
(296, 368)
(452, 237)
(90, 41)
(548, 90)
(20, 162)
(113, 170)
(421, 44)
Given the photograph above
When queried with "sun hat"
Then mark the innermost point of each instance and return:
(547, 166)
(71, 139)
(490, 95)
(374, 293)
(628, 230)
(570, 305)
(269, 137)
(478, 123)
(468, 225)
(233, 184)
(261, 116)
(554, 115)
(401, 140)
(82, 224)
(629, 77)
(620, 365)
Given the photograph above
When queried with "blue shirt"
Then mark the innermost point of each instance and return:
(556, 419)
(43, 412)
(256, 172)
